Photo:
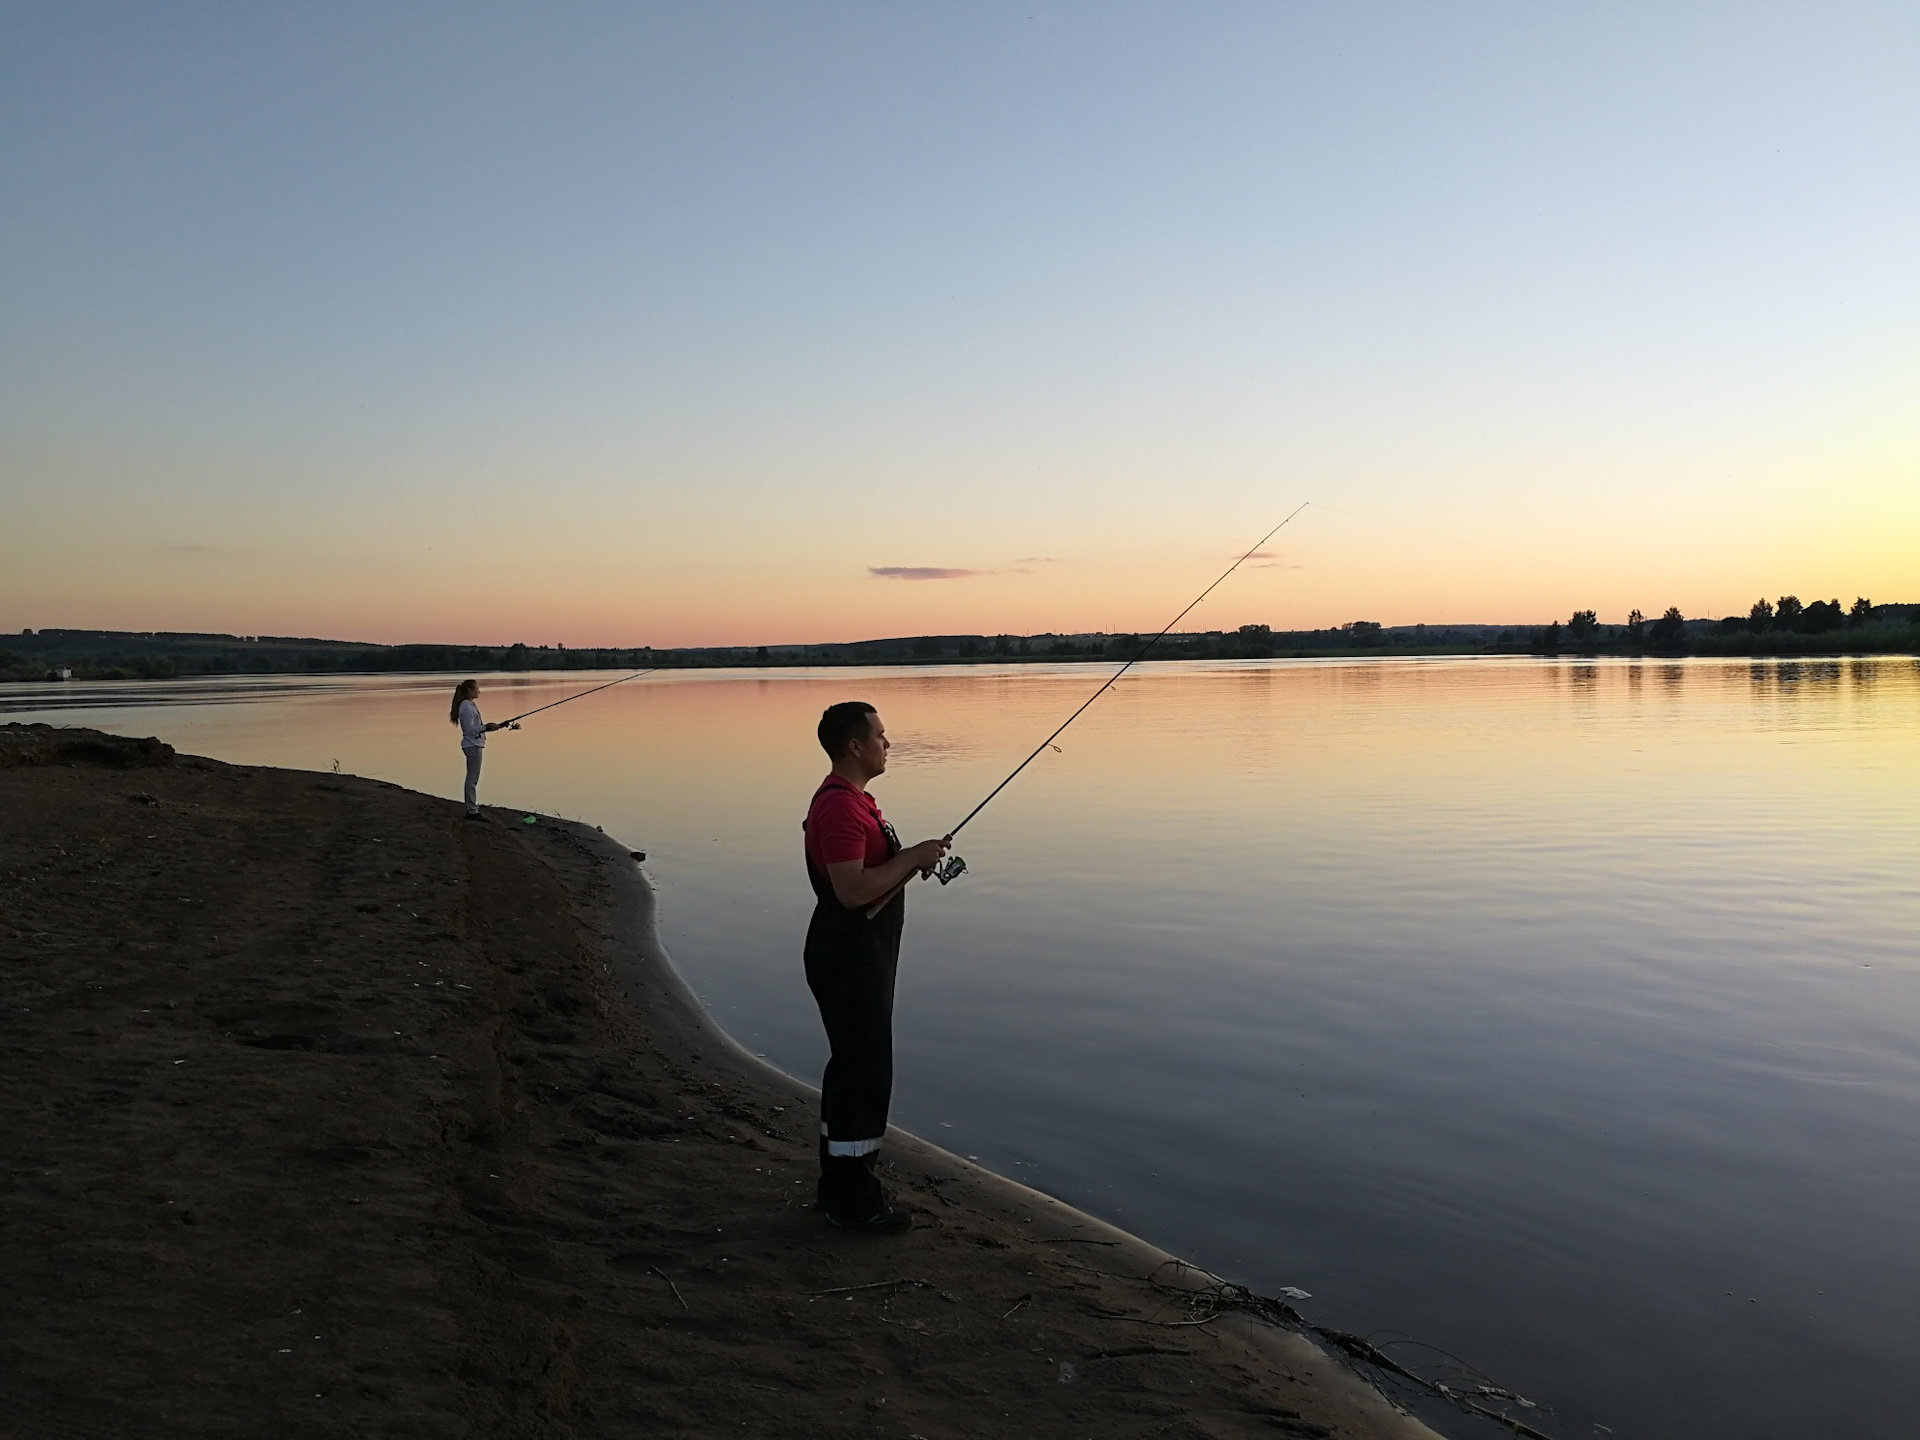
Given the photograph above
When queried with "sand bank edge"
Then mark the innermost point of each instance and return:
(649, 982)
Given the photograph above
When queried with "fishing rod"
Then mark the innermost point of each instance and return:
(565, 700)
(953, 867)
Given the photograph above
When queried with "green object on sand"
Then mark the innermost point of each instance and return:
(530, 820)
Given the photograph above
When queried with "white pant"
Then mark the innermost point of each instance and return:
(473, 754)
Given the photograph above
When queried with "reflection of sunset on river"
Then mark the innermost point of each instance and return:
(1528, 1006)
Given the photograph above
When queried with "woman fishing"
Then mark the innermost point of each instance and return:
(473, 738)
(473, 730)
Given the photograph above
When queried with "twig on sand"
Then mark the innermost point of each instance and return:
(1163, 1324)
(1133, 1351)
(1087, 1269)
(673, 1287)
(1076, 1240)
(876, 1285)
(1017, 1304)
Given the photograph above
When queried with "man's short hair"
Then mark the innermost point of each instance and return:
(842, 724)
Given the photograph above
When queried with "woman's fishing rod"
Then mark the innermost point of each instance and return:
(953, 867)
(582, 695)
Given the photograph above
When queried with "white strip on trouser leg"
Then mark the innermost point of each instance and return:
(850, 1147)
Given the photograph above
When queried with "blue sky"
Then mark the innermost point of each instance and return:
(625, 324)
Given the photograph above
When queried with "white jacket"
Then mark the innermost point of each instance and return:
(473, 730)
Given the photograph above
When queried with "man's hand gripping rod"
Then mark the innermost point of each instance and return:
(953, 867)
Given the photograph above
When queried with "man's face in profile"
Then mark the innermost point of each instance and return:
(871, 753)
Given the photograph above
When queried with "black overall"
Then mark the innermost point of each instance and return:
(851, 962)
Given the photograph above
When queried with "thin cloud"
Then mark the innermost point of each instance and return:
(949, 572)
(919, 572)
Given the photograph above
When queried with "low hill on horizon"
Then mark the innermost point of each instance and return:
(55, 653)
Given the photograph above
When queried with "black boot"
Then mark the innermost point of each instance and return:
(853, 1197)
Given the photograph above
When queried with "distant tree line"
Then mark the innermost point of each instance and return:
(1778, 626)
(164, 655)
(1782, 626)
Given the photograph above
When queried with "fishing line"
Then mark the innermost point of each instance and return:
(569, 699)
(1515, 557)
(1138, 655)
(953, 867)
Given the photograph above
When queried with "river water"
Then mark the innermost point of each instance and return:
(1565, 1015)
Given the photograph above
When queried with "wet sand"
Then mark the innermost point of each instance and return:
(328, 1112)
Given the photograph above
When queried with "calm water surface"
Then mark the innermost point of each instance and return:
(1560, 1014)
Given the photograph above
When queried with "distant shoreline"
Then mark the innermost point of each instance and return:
(96, 655)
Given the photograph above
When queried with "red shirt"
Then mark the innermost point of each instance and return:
(843, 823)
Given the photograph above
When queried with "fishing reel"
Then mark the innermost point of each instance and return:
(950, 869)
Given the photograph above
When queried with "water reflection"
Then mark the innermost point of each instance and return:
(1479, 998)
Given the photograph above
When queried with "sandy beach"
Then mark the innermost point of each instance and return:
(331, 1113)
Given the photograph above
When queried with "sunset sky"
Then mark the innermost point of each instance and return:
(730, 323)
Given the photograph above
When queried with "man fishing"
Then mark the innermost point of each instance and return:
(859, 873)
